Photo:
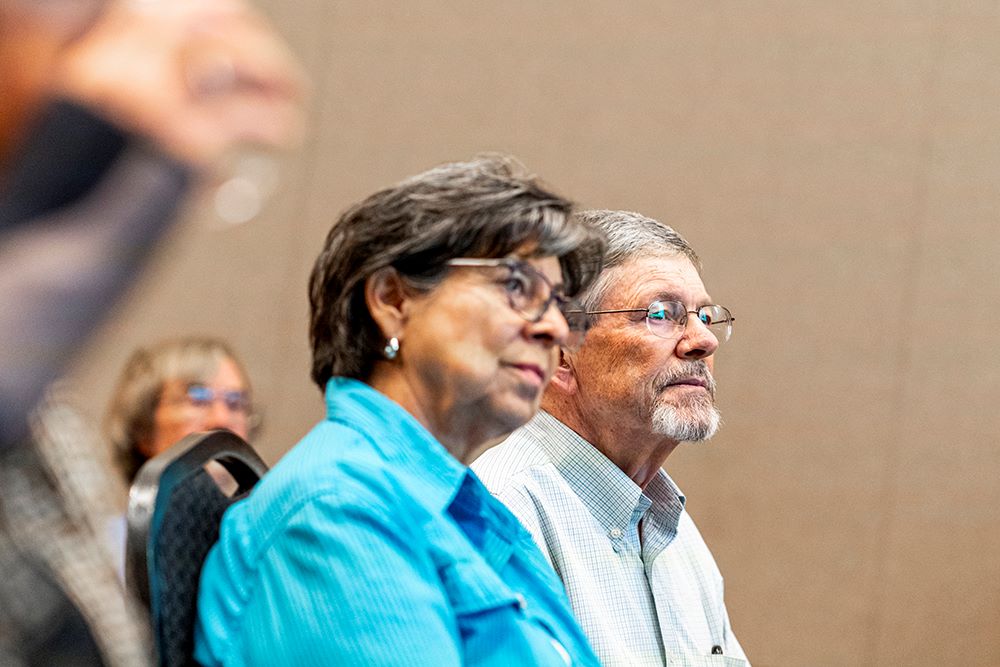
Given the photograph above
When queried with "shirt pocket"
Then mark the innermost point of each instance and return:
(496, 624)
(475, 590)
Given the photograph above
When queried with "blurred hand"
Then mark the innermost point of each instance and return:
(198, 77)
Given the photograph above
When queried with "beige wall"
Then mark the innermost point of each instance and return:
(835, 163)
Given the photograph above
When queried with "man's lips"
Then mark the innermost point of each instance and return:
(688, 382)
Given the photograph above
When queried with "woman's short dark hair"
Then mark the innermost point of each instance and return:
(487, 207)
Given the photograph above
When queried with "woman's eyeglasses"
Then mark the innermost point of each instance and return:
(200, 396)
(530, 294)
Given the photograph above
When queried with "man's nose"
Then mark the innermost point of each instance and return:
(697, 341)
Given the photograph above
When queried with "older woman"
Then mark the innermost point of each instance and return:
(174, 388)
(437, 317)
(165, 392)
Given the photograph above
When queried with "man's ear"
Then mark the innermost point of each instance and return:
(564, 379)
(386, 296)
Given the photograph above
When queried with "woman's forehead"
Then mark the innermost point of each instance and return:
(548, 267)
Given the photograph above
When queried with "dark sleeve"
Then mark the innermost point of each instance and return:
(84, 207)
(63, 158)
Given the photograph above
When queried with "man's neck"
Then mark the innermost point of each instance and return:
(637, 452)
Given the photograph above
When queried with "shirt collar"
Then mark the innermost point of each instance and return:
(399, 438)
(667, 505)
(608, 493)
(438, 479)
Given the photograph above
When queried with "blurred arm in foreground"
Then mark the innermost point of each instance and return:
(106, 123)
(110, 113)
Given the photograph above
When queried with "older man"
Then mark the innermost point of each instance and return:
(585, 476)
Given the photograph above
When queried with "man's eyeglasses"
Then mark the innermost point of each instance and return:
(530, 294)
(235, 400)
(667, 319)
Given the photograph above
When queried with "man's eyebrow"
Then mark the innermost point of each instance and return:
(669, 295)
(664, 295)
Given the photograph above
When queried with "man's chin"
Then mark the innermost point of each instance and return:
(687, 423)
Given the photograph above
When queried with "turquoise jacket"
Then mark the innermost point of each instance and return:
(369, 544)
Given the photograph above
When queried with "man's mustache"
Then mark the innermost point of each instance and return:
(697, 370)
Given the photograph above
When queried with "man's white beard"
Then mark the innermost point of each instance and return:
(695, 420)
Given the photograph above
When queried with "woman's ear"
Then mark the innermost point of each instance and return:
(386, 296)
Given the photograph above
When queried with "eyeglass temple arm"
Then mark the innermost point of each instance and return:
(604, 312)
(477, 261)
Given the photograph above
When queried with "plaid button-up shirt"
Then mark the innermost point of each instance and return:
(657, 600)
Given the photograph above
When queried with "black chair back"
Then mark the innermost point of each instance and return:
(174, 510)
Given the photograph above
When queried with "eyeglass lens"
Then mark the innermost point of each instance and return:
(201, 396)
(527, 290)
(664, 318)
(531, 294)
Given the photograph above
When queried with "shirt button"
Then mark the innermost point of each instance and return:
(716, 650)
(615, 533)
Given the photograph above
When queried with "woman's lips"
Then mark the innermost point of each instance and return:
(533, 373)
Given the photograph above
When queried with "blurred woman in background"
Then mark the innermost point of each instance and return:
(175, 388)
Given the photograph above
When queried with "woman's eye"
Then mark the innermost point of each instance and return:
(517, 284)
(199, 394)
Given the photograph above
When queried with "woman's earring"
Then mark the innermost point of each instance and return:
(391, 348)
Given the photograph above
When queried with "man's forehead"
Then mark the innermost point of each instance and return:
(658, 276)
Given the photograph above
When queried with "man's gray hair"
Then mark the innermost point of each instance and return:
(630, 236)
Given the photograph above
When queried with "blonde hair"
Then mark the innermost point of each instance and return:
(129, 419)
